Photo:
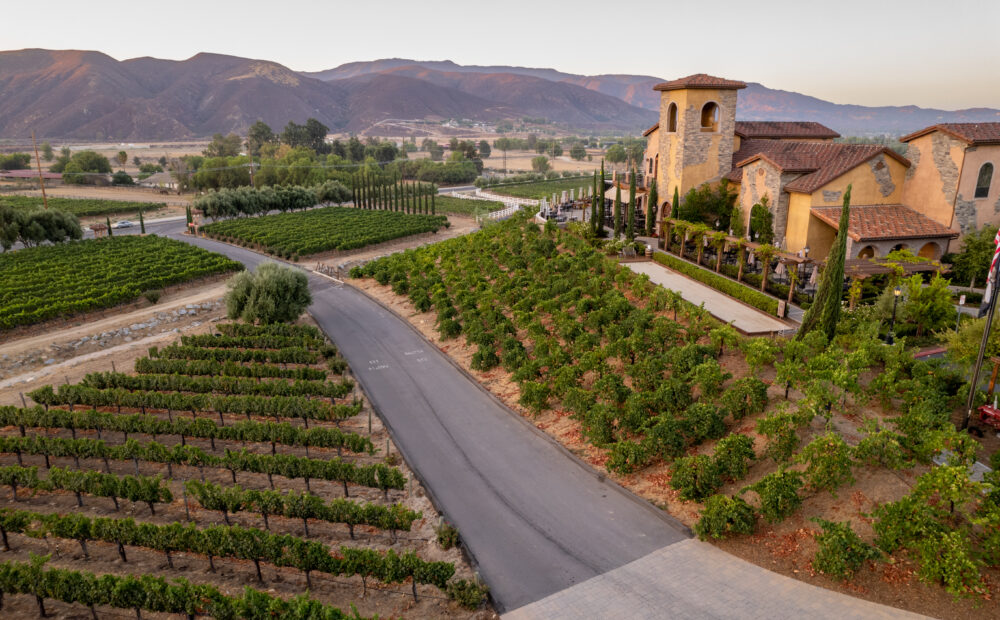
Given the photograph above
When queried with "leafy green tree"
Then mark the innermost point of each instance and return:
(928, 307)
(47, 153)
(824, 313)
(258, 135)
(828, 462)
(778, 493)
(841, 552)
(972, 263)
(122, 158)
(725, 516)
(35, 227)
(272, 294)
(709, 205)
(616, 154)
(122, 178)
(484, 149)
(223, 146)
(540, 163)
(578, 151)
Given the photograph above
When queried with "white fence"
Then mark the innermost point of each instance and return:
(511, 205)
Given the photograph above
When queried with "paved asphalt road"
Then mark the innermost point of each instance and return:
(535, 519)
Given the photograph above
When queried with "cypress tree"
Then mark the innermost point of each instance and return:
(427, 199)
(187, 212)
(433, 196)
(108, 220)
(651, 201)
(630, 218)
(618, 210)
(601, 199)
(675, 208)
(595, 217)
(824, 313)
(142, 223)
(354, 189)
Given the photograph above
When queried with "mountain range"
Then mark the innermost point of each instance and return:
(88, 95)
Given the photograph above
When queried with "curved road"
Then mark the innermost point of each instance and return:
(551, 537)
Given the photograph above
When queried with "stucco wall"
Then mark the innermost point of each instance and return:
(797, 228)
(879, 181)
(932, 180)
(985, 210)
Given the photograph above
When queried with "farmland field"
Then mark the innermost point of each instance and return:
(541, 189)
(81, 207)
(45, 282)
(774, 449)
(461, 206)
(269, 495)
(320, 230)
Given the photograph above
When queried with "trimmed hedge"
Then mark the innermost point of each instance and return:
(720, 283)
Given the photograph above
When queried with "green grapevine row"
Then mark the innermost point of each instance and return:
(223, 541)
(276, 406)
(256, 342)
(292, 355)
(274, 329)
(202, 428)
(221, 385)
(154, 594)
(234, 499)
(145, 365)
(320, 230)
(82, 207)
(376, 475)
(149, 490)
(41, 283)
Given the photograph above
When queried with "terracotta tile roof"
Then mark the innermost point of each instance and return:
(700, 80)
(818, 162)
(783, 129)
(973, 133)
(650, 130)
(882, 222)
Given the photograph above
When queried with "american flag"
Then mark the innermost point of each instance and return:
(991, 280)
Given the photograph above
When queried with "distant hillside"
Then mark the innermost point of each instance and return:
(757, 102)
(91, 96)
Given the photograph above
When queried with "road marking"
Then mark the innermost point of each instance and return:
(377, 365)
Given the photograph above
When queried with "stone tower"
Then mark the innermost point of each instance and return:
(696, 132)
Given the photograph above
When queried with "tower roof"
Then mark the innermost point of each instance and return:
(701, 80)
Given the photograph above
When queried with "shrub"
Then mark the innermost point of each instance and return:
(152, 296)
(780, 430)
(947, 558)
(703, 421)
(733, 455)
(880, 447)
(779, 494)
(724, 516)
(828, 462)
(721, 283)
(841, 551)
(485, 358)
(710, 377)
(468, 594)
(696, 477)
(534, 396)
(627, 456)
(447, 535)
(746, 396)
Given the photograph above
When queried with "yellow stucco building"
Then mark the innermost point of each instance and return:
(943, 189)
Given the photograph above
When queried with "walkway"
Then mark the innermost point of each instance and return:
(695, 580)
(546, 531)
(720, 305)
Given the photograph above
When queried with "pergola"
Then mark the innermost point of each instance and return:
(863, 268)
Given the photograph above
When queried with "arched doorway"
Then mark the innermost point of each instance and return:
(930, 250)
(867, 252)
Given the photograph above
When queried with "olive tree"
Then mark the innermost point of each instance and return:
(272, 294)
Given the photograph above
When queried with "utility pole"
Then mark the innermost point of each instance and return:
(970, 404)
(41, 179)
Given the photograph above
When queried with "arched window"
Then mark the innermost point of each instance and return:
(983, 182)
(672, 118)
(867, 252)
(710, 117)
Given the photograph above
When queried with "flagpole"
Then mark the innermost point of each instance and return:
(982, 345)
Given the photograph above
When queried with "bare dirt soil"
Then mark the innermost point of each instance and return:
(787, 547)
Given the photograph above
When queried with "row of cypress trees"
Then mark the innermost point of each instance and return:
(371, 191)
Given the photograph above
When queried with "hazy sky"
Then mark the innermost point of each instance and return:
(932, 53)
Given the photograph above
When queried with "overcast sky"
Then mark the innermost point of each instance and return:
(871, 52)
